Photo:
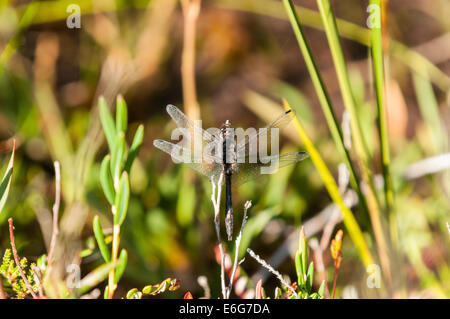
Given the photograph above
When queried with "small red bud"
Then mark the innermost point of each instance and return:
(188, 295)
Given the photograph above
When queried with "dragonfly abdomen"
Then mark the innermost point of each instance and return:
(228, 143)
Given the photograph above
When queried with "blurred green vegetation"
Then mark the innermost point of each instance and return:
(247, 60)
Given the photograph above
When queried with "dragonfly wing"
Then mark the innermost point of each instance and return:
(288, 158)
(210, 143)
(243, 172)
(207, 166)
(183, 121)
(242, 148)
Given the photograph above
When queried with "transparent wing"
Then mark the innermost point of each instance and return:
(242, 148)
(243, 172)
(196, 132)
(207, 166)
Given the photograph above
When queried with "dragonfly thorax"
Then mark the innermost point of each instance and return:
(228, 144)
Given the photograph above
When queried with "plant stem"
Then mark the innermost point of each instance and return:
(2, 291)
(215, 198)
(236, 262)
(277, 274)
(17, 259)
(55, 230)
(378, 68)
(335, 277)
(115, 250)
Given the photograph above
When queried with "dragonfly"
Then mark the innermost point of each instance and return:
(218, 152)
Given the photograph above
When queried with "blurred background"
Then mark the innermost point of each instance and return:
(246, 60)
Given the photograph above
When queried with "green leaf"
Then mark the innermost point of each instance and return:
(303, 247)
(310, 277)
(117, 158)
(304, 261)
(263, 293)
(134, 294)
(100, 238)
(298, 268)
(277, 294)
(135, 146)
(7, 178)
(107, 122)
(106, 179)
(168, 284)
(321, 290)
(95, 277)
(41, 262)
(121, 114)
(155, 289)
(90, 242)
(123, 259)
(85, 253)
(122, 198)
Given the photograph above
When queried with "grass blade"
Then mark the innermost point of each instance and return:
(378, 73)
(323, 96)
(6, 180)
(429, 109)
(337, 54)
(410, 58)
(352, 226)
(343, 76)
(10, 48)
(95, 277)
